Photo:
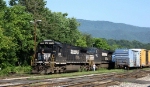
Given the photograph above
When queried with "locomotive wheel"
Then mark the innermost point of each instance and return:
(98, 67)
(42, 69)
(87, 68)
(48, 70)
(81, 68)
(43, 72)
(34, 70)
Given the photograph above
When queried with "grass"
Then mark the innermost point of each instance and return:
(22, 71)
(147, 68)
(100, 71)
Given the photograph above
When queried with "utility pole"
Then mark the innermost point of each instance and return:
(35, 26)
(34, 38)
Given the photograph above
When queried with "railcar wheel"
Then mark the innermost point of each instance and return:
(118, 67)
(126, 67)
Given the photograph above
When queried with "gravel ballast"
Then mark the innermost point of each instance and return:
(129, 84)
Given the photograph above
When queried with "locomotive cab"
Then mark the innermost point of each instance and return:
(45, 50)
(46, 55)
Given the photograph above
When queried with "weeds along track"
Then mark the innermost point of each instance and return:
(94, 80)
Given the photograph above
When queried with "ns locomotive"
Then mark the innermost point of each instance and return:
(55, 57)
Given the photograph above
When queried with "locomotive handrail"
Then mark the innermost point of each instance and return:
(52, 60)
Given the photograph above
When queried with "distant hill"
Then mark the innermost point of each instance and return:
(117, 31)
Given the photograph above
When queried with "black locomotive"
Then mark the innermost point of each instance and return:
(55, 57)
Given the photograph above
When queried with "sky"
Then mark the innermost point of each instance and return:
(133, 12)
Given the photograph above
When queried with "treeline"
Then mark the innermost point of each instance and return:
(114, 44)
(19, 21)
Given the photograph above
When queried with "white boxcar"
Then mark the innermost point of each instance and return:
(127, 58)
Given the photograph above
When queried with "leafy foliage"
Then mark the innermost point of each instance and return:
(7, 56)
(101, 43)
(17, 25)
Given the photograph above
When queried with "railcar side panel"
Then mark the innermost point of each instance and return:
(148, 57)
(136, 57)
(143, 57)
(121, 58)
(127, 58)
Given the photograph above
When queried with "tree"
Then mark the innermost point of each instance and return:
(7, 54)
(81, 41)
(89, 39)
(13, 2)
(37, 9)
(2, 10)
(2, 4)
(101, 43)
(7, 57)
(17, 25)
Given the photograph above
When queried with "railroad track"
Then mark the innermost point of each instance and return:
(95, 80)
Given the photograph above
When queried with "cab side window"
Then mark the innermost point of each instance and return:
(54, 48)
(59, 49)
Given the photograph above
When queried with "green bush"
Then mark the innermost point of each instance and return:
(5, 71)
(15, 69)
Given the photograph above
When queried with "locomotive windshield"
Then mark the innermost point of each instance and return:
(46, 44)
(43, 46)
(91, 50)
(45, 50)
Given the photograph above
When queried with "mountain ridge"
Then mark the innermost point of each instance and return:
(117, 31)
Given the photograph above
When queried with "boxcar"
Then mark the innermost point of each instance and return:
(148, 52)
(125, 58)
(144, 57)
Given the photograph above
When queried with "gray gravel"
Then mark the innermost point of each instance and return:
(129, 84)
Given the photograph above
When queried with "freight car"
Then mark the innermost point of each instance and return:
(129, 58)
(55, 57)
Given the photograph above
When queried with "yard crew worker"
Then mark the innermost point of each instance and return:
(42, 55)
(94, 66)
